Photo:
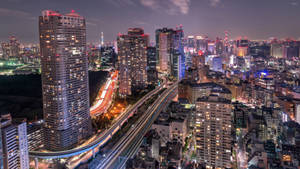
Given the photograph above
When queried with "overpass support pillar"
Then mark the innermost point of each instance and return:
(36, 163)
(93, 151)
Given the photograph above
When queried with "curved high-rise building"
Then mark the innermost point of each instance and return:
(64, 79)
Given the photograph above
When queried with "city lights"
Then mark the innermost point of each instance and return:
(187, 84)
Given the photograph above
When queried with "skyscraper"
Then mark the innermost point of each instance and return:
(242, 47)
(191, 41)
(179, 69)
(14, 47)
(201, 44)
(291, 49)
(64, 79)
(277, 49)
(170, 52)
(217, 64)
(5, 50)
(213, 131)
(151, 65)
(165, 49)
(11, 49)
(132, 58)
(219, 46)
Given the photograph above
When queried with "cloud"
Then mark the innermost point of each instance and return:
(294, 3)
(16, 13)
(140, 23)
(154, 4)
(120, 3)
(128, 2)
(184, 5)
(214, 2)
(172, 7)
(93, 21)
(91, 24)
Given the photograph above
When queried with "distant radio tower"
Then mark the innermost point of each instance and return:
(102, 39)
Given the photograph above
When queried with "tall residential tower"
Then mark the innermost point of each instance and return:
(214, 126)
(132, 58)
(64, 79)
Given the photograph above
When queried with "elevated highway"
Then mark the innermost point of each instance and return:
(102, 138)
(128, 145)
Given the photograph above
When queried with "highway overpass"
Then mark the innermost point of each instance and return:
(128, 145)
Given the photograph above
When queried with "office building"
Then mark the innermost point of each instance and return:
(174, 72)
(219, 46)
(211, 47)
(217, 64)
(11, 49)
(165, 49)
(191, 41)
(193, 90)
(242, 47)
(151, 58)
(290, 50)
(108, 57)
(201, 44)
(132, 61)
(64, 79)
(213, 131)
(178, 64)
(170, 52)
(277, 50)
(151, 66)
(14, 144)
(14, 47)
(5, 51)
(260, 50)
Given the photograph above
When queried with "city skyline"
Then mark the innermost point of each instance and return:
(189, 84)
(205, 17)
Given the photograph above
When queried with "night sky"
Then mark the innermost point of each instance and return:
(255, 19)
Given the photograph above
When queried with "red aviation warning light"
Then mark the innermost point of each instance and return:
(51, 13)
(200, 52)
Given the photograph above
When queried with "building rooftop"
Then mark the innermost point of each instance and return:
(214, 98)
(215, 87)
(47, 13)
